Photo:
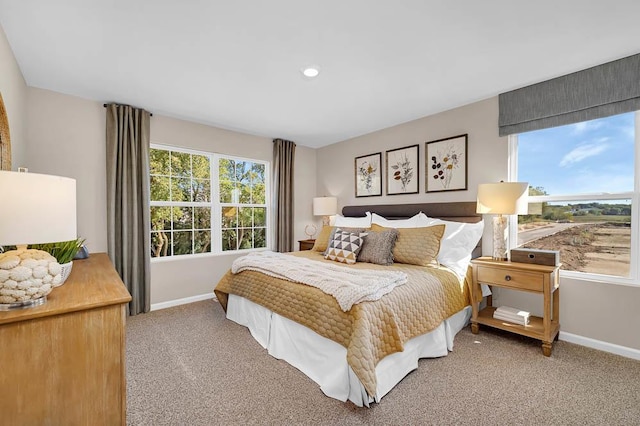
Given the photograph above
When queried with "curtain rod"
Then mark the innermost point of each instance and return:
(105, 105)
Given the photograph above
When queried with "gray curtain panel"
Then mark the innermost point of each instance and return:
(284, 153)
(128, 200)
(597, 92)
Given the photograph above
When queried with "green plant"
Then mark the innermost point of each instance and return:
(63, 251)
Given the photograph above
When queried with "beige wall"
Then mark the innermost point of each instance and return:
(305, 190)
(14, 94)
(66, 137)
(599, 311)
(485, 150)
(336, 162)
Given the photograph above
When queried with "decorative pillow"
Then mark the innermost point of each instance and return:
(352, 230)
(344, 246)
(416, 246)
(354, 222)
(412, 222)
(378, 247)
(322, 242)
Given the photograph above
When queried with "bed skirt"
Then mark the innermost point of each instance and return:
(325, 361)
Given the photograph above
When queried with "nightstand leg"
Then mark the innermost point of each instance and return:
(475, 328)
(546, 348)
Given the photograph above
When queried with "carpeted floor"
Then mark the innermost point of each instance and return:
(188, 365)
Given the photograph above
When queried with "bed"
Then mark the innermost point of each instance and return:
(361, 353)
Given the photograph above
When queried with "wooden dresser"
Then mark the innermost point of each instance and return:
(63, 363)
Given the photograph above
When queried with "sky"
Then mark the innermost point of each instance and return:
(590, 157)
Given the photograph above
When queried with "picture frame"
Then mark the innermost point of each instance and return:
(368, 175)
(5, 139)
(403, 170)
(446, 164)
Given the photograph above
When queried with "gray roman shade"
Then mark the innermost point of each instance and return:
(600, 91)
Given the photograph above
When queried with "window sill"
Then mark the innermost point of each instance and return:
(599, 279)
(203, 255)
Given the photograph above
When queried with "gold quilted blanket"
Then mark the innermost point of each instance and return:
(370, 330)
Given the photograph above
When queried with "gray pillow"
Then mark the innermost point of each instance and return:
(378, 247)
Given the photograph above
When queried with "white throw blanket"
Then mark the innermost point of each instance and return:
(348, 286)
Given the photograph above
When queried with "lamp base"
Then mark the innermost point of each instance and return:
(27, 276)
(500, 238)
(22, 305)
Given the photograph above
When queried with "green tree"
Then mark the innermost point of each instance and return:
(178, 176)
(242, 183)
(533, 191)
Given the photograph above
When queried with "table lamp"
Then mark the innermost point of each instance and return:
(35, 209)
(325, 207)
(503, 198)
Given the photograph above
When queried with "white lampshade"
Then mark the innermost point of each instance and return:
(503, 198)
(325, 206)
(36, 208)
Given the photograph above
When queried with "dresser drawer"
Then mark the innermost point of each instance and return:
(517, 279)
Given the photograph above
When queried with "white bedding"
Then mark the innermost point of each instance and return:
(325, 361)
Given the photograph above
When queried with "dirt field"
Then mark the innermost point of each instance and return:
(601, 248)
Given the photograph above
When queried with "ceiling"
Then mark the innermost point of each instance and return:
(236, 64)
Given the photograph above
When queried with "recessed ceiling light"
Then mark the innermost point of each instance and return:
(310, 71)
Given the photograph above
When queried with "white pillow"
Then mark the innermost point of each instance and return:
(412, 222)
(457, 244)
(353, 222)
(423, 220)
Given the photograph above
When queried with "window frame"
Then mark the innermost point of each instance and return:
(634, 263)
(214, 204)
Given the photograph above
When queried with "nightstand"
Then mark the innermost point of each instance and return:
(306, 244)
(539, 279)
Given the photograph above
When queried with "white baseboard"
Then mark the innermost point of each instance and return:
(178, 302)
(600, 345)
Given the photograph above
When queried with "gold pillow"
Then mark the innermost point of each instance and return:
(416, 246)
(322, 242)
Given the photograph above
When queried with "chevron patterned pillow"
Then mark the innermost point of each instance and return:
(344, 246)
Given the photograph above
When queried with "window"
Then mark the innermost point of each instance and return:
(243, 202)
(206, 203)
(583, 195)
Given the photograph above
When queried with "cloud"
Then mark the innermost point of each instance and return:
(582, 152)
(586, 126)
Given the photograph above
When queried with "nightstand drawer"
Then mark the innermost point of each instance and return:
(505, 278)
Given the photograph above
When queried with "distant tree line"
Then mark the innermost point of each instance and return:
(567, 212)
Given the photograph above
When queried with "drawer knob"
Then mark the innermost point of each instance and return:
(507, 277)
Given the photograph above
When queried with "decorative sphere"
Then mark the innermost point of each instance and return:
(27, 274)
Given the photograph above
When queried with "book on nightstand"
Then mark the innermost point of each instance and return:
(507, 313)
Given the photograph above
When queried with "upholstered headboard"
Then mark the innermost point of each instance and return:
(461, 211)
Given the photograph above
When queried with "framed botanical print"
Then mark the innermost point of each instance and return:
(368, 172)
(446, 164)
(402, 170)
